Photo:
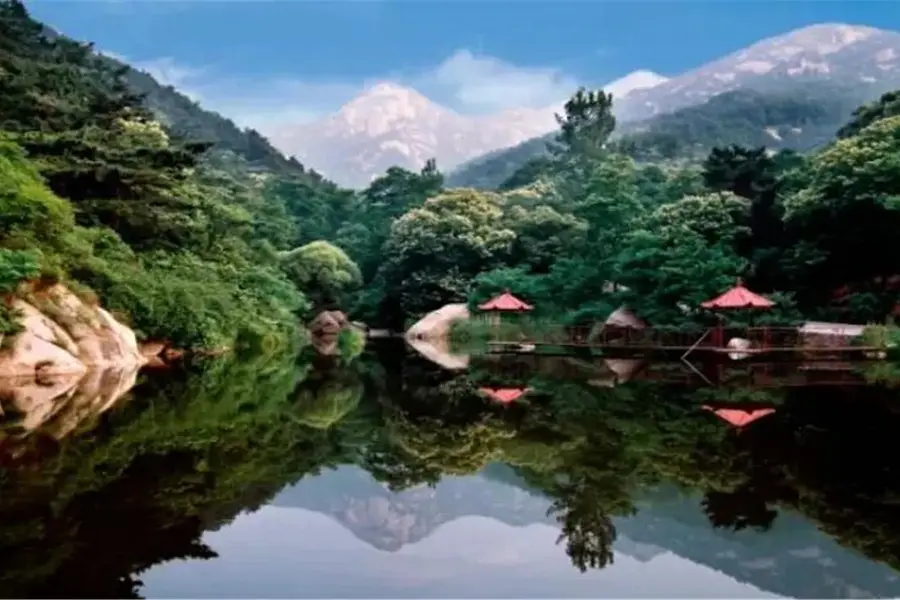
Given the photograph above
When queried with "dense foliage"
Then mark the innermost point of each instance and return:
(171, 215)
(588, 228)
(802, 118)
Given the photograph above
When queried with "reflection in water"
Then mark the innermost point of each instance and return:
(637, 482)
(39, 411)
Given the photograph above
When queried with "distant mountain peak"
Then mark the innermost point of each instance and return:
(387, 87)
(636, 80)
(389, 124)
(386, 94)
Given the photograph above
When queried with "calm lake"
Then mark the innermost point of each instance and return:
(392, 476)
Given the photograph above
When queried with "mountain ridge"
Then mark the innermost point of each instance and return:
(354, 150)
(823, 51)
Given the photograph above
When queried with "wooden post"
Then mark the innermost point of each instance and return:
(720, 333)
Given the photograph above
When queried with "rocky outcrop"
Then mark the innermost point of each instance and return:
(326, 328)
(63, 335)
(437, 323)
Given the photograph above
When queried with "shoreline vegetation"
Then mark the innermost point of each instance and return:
(198, 235)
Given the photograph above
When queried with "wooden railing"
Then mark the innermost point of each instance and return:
(661, 338)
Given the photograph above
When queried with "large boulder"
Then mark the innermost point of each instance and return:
(62, 335)
(437, 323)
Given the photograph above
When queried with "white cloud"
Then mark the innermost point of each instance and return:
(486, 84)
(465, 82)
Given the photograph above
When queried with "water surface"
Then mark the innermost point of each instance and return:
(394, 477)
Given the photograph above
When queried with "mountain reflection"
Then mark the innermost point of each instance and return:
(801, 502)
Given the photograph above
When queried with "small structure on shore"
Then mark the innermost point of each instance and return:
(823, 334)
(737, 298)
(504, 303)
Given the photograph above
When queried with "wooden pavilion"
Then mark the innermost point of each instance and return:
(504, 303)
(737, 298)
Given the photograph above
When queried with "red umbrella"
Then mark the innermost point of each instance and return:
(738, 297)
(505, 302)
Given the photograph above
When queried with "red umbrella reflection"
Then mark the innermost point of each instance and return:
(738, 417)
(504, 395)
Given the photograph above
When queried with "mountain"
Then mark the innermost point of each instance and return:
(791, 91)
(793, 559)
(637, 80)
(392, 125)
(184, 116)
(851, 55)
(801, 119)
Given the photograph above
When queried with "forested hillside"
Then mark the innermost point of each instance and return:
(803, 118)
(169, 214)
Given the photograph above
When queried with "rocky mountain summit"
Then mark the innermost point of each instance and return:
(392, 125)
(851, 55)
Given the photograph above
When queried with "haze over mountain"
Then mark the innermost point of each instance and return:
(392, 125)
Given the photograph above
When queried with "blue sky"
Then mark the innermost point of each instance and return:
(268, 61)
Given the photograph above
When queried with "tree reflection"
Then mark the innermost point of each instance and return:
(738, 510)
(586, 529)
(195, 447)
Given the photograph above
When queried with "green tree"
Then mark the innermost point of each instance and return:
(323, 270)
(385, 200)
(886, 106)
(543, 235)
(434, 251)
(586, 124)
(837, 224)
(664, 278)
